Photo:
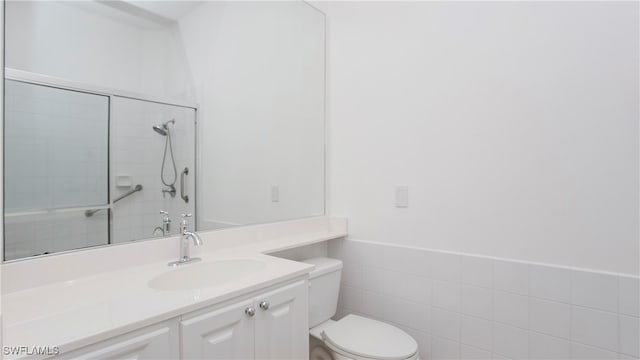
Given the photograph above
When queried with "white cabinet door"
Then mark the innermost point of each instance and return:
(225, 333)
(282, 330)
(158, 341)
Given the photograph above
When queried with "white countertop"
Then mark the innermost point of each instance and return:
(75, 313)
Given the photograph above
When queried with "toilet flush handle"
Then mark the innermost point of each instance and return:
(264, 305)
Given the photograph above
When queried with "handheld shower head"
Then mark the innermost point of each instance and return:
(164, 128)
(160, 130)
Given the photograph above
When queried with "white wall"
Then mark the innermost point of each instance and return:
(1, 162)
(89, 42)
(514, 124)
(258, 70)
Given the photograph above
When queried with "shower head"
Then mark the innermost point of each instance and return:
(163, 129)
(160, 130)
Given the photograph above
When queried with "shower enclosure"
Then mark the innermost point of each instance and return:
(84, 167)
(155, 159)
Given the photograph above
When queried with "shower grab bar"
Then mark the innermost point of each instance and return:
(130, 192)
(184, 173)
(89, 213)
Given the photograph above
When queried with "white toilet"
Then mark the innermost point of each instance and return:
(352, 337)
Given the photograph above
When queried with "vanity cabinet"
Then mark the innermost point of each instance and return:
(224, 333)
(158, 341)
(272, 325)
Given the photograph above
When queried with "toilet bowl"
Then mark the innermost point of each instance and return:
(353, 337)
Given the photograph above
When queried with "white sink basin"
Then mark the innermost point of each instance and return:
(205, 274)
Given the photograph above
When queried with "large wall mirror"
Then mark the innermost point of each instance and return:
(118, 110)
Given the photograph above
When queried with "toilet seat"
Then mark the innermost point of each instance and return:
(358, 337)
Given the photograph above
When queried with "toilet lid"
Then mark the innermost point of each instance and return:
(370, 339)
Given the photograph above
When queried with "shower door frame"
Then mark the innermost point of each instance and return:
(64, 84)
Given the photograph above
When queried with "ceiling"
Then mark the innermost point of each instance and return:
(148, 14)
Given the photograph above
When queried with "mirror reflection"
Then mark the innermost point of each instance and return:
(122, 115)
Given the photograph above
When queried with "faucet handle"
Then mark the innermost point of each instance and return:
(185, 221)
(164, 212)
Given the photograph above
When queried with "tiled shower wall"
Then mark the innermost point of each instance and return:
(460, 306)
(136, 152)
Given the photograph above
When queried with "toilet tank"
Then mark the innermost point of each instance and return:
(324, 287)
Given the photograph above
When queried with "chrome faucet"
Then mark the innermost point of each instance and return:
(185, 235)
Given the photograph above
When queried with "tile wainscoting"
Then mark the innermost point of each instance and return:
(462, 306)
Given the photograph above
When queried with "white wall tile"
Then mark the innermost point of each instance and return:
(368, 254)
(548, 347)
(394, 284)
(370, 303)
(594, 327)
(476, 271)
(401, 312)
(445, 324)
(446, 295)
(510, 341)
(405, 313)
(444, 349)
(630, 335)
(419, 289)
(406, 286)
(595, 290)
(540, 325)
(476, 332)
(583, 352)
(351, 274)
(422, 320)
(477, 301)
(405, 260)
(350, 297)
(629, 298)
(372, 278)
(551, 283)
(550, 317)
(472, 353)
(511, 309)
(444, 266)
(511, 276)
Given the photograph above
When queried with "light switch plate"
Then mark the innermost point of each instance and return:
(402, 196)
(275, 193)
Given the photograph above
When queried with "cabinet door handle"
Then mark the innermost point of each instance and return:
(250, 311)
(264, 305)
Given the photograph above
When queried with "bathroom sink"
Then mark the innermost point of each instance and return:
(205, 274)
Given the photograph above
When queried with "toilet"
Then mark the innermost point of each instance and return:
(353, 337)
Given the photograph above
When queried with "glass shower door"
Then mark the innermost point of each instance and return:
(56, 168)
